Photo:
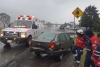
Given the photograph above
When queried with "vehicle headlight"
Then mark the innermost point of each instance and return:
(1, 33)
(23, 34)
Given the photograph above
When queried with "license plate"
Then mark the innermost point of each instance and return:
(9, 41)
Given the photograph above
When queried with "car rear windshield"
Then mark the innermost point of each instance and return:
(48, 36)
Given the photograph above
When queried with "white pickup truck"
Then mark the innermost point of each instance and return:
(22, 30)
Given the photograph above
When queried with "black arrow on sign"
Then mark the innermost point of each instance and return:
(77, 11)
(77, 16)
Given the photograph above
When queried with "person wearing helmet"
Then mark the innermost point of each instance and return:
(91, 42)
(96, 57)
(80, 45)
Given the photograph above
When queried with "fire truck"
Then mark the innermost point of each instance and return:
(22, 30)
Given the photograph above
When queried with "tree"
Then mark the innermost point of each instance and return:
(4, 18)
(90, 17)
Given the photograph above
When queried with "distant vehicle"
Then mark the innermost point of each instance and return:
(62, 26)
(51, 44)
(70, 30)
(22, 30)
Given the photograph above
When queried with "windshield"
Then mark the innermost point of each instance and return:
(20, 23)
(48, 36)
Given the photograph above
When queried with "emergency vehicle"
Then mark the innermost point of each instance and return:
(22, 30)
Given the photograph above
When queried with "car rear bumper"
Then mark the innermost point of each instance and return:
(5, 39)
(49, 52)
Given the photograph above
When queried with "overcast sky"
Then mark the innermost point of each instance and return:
(55, 11)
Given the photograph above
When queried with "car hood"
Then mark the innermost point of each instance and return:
(15, 29)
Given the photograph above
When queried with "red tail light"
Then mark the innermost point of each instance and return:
(52, 45)
(30, 42)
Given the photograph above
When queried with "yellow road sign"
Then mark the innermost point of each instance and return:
(77, 12)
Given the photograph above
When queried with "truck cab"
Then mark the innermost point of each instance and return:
(22, 30)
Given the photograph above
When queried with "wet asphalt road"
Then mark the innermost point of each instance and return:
(25, 59)
(8, 53)
(52, 62)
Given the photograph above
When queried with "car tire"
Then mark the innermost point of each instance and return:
(60, 57)
(37, 54)
(28, 41)
(7, 45)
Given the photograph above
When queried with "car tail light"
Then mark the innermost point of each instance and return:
(30, 42)
(52, 45)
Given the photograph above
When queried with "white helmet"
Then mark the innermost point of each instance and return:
(80, 31)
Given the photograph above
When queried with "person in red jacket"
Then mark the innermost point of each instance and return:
(96, 57)
(80, 45)
(91, 42)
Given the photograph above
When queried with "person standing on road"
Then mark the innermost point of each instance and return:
(91, 42)
(96, 57)
(80, 44)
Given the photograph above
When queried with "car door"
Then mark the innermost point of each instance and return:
(69, 41)
(62, 41)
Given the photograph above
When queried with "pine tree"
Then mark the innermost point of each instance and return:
(90, 18)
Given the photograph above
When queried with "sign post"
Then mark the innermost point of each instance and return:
(77, 13)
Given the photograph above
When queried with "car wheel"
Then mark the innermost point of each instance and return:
(37, 54)
(7, 45)
(28, 41)
(59, 58)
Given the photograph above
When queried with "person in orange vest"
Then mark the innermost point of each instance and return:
(96, 57)
(91, 42)
(80, 45)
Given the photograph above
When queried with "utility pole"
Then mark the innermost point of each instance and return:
(74, 26)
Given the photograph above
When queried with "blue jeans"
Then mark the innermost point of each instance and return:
(78, 54)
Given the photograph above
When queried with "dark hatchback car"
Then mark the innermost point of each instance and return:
(51, 44)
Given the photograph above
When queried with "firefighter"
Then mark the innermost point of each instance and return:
(96, 58)
(91, 42)
(80, 44)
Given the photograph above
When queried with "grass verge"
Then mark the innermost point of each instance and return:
(96, 33)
